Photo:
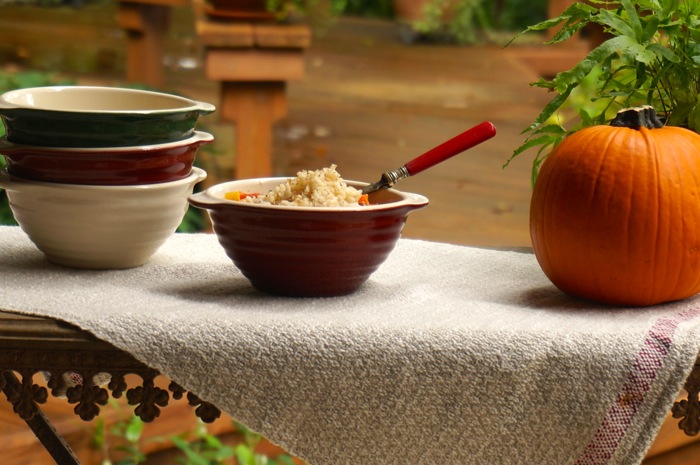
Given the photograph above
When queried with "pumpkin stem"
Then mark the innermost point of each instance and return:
(636, 118)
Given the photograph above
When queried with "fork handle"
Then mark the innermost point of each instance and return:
(458, 144)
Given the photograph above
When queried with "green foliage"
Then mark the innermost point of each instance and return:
(459, 19)
(204, 449)
(131, 430)
(370, 8)
(10, 81)
(197, 447)
(245, 451)
(319, 14)
(514, 15)
(305, 6)
(652, 57)
(128, 431)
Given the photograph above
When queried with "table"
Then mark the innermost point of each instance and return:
(31, 344)
(477, 358)
(253, 63)
(67, 355)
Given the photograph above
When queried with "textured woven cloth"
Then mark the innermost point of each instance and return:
(447, 355)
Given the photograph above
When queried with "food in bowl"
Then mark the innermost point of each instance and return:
(305, 251)
(98, 227)
(143, 164)
(320, 188)
(97, 116)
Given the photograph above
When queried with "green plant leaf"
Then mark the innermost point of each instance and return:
(550, 108)
(282, 459)
(542, 141)
(618, 24)
(574, 18)
(650, 29)
(134, 429)
(681, 113)
(569, 30)
(653, 57)
(244, 455)
(632, 18)
(663, 53)
(192, 456)
(694, 115)
(99, 434)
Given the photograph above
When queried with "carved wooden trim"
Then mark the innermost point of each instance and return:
(80, 368)
(86, 378)
(54, 444)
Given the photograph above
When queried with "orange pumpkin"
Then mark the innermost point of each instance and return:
(615, 212)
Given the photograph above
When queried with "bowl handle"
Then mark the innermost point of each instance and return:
(201, 200)
(416, 201)
(204, 108)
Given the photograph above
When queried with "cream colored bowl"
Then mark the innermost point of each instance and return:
(99, 227)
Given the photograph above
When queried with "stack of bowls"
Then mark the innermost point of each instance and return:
(99, 177)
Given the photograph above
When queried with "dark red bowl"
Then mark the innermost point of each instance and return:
(306, 251)
(109, 166)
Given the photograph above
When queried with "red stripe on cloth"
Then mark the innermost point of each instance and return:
(643, 372)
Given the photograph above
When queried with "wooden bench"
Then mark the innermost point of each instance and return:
(146, 24)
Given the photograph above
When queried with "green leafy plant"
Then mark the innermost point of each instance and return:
(124, 436)
(306, 6)
(370, 8)
(319, 14)
(246, 454)
(197, 447)
(203, 449)
(457, 19)
(652, 57)
(514, 15)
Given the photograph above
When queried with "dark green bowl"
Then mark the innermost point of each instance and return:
(90, 116)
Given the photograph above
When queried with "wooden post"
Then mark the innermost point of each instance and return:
(253, 63)
(146, 24)
(254, 108)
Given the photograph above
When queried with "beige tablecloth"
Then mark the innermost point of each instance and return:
(447, 355)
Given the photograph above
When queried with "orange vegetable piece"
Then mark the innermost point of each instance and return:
(237, 195)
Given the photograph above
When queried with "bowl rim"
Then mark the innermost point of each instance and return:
(6, 100)
(197, 137)
(196, 175)
(213, 196)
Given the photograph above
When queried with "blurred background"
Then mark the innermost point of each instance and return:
(363, 84)
(374, 90)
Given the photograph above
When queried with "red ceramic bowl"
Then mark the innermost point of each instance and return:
(108, 166)
(306, 251)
